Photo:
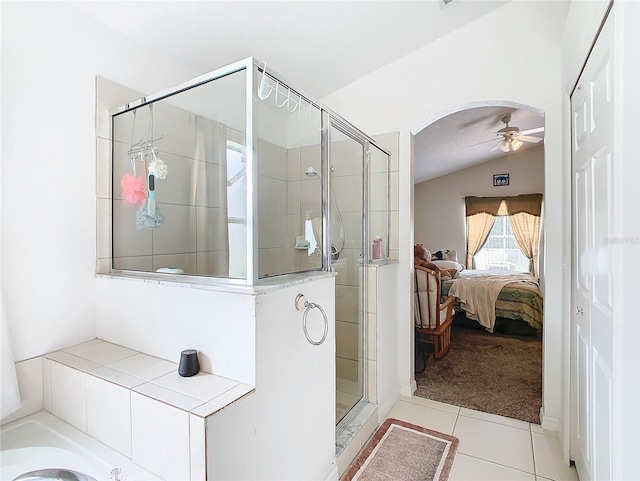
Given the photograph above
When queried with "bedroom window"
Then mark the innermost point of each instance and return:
(503, 232)
(501, 251)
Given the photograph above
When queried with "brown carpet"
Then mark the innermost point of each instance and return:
(492, 373)
(401, 451)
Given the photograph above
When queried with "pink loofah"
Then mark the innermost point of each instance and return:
(133, 189)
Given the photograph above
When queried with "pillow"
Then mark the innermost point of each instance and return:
(444, 265)
(446, 255)
(451, 255)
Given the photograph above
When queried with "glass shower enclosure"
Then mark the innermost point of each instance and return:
(235, 177)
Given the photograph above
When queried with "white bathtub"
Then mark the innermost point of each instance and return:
(43, 441)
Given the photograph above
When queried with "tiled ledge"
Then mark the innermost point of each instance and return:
(202, 394)
(138, 405)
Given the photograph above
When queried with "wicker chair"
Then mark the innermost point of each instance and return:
(432, 319)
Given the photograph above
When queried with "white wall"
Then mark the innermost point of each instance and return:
(439, 203)
(286, 428)
(626, 422)
(162, 320)
(51, 55)
(463, 67)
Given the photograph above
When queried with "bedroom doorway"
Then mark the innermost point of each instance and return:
(482, 149)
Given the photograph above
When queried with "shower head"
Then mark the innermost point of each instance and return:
(311, 172)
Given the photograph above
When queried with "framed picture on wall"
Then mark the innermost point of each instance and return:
(500, 179)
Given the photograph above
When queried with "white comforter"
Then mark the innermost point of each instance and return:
(477, 292)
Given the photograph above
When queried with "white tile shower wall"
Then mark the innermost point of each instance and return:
(109, 96)
(294, 171)
(177, 187)
(346, 182)
(346, 339)
(178, 233)
(310, 186)
(347, 370)
(347, 303)
(390, 142)
(194, 152)
(295, 224)
(177, 127)
(124, 243)
(348, 192)
(285, 202)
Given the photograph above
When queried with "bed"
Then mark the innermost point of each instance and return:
(518, 297)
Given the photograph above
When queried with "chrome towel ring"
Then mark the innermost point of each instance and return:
(302, 303)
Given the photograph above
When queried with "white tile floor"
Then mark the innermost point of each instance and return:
(492, 448)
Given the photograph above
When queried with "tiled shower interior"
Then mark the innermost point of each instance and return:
(206, 166)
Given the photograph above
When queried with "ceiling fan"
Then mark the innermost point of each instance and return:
(512, 138)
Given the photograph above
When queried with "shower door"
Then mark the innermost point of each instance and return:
(349, 256)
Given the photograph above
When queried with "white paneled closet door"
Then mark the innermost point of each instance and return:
(592, 328)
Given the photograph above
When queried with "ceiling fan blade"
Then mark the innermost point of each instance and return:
(496, 147)
(480, 143)
(528, 138)
(532, 131)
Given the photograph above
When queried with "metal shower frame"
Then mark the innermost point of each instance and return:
(330, 119)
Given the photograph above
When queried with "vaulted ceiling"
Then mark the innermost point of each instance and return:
(466, 138)
(319, 47)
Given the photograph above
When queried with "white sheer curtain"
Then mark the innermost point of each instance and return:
(524, 216)
(526, 230)
(478, 228)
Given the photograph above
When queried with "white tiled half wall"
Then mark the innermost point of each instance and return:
(137, 404)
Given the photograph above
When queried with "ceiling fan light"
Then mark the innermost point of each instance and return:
(504, 146)
(516, 144)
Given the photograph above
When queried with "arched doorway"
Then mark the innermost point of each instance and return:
(460, 152)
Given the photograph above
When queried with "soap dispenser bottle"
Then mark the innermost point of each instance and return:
(377, 247)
